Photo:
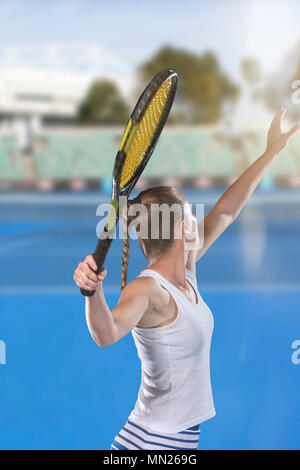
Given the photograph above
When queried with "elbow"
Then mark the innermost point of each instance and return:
(102, 342)
(235, 215)
(103, 345)
(227, 217)
(103, 337)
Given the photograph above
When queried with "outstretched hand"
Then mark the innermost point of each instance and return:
(277, 139)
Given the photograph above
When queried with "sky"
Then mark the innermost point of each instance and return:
(132, 30)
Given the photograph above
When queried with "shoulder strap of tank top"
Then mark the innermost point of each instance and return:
(176, 294)
(165, 283)
(191, 277)
(162, 281)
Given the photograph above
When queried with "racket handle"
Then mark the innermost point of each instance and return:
(99, 256)
(87, 293)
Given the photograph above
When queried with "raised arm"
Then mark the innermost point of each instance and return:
(233, 200)
(108, 326)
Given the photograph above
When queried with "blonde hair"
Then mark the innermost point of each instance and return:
(151, 247)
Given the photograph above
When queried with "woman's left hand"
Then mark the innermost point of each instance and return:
(277, 139)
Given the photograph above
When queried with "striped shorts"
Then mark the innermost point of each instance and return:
(135, 437)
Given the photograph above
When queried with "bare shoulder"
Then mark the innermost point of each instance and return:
(161, 306)
(149, 287)
(142, 285)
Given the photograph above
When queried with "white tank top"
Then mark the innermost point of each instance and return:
(175, 391)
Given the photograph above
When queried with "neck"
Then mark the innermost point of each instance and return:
(172, 265)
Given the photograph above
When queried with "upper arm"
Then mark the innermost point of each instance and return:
(209, 230)
(214, 224)
(133, 303)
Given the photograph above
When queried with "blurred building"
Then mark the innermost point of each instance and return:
(45, 84)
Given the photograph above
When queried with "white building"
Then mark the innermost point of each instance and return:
(41, 84)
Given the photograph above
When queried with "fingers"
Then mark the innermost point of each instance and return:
(102, 275)
(85, 269)
(84, 282)
(91, 262)
(282, 111)
(293, 130)
(278, 116)
(85, 276)
(277, 120)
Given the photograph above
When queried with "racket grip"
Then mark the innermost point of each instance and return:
(87, 293)
(99, 256)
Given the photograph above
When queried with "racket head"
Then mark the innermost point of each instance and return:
(143, 130)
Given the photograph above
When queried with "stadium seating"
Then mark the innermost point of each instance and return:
(10, 168)
(78, 154)
(180, 152)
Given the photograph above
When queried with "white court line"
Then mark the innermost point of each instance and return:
(115, 289)
(51, 199)
(45, 289)
(70, 199)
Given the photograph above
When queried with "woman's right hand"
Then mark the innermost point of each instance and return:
(85, 275)
(277, 139)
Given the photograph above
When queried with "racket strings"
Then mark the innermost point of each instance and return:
(145, 131)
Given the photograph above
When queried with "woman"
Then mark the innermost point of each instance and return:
(170, 323)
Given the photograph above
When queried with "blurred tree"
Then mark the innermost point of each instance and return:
(202, 88)
(251, 71)
(252, 74)
(103, 104)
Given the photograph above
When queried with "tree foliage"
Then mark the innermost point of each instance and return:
(251, 71)
(202, 88)
(103, 104)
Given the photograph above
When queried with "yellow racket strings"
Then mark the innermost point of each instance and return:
(144, 132)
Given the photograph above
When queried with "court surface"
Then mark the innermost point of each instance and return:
(60, 391)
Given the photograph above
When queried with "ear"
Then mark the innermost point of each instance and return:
(179, 231)
(186, 231)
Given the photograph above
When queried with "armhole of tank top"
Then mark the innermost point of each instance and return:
(169, 325)
(191, 278)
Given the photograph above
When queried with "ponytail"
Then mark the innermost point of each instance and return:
(125, 256)
(125, 253)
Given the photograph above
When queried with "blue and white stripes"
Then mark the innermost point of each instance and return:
(135, 437)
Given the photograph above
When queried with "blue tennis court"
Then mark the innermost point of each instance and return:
(60, 391)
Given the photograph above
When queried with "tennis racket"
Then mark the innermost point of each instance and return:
(138, 142)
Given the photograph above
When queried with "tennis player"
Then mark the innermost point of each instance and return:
(169, 321)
